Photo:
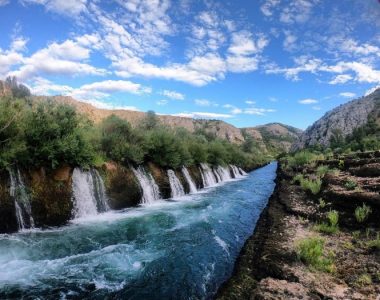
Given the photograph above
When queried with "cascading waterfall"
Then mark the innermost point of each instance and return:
(21, 199)
(207, 176)
(175, 185)
(89, 193)
(235, 171)
(192, 186)
(224, 174)
(217, 175)
(99, 191)
(150, 189)
(242, 172)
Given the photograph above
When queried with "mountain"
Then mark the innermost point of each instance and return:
(273, 138)
(341, 121)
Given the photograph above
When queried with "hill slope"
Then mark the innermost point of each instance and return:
(273, 138)
(342, 120)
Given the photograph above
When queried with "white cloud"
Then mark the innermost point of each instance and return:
(340, 79)
(258, 111)
(204, 102)
(308, 101)
(65, 7)
(4, 2)
(57, 59)
(297, 11)
(173, 95)
(353, 47)
(268, 6)
(289, 41)
(250, 102)
(243, 44)
(111, 86)
(162, 102)
(316, 107)
(242, 64)
(203, 115)
(347, 94)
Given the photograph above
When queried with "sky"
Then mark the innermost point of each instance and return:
(247, 62)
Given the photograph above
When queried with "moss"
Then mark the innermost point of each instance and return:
(195, 173)
(161, 178)
(123, 189)
(51, 199)
(8, 221)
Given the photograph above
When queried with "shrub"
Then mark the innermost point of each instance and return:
(374, 243)
(322, 170)
(322, 203)
(314, 186)
(54, 135)
(311, 252)
(332, 226)
(298, 179)
(302, 158)
(364, 280)
(350, 185)
(362, 213)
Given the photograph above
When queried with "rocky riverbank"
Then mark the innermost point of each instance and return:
(296, 251)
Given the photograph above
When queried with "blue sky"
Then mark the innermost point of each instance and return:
(246, 62)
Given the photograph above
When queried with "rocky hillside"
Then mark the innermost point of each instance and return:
(341, 120)
(273, 138)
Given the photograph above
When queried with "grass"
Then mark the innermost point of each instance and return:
(364, 280)
(312, 185)
(332, 226)
(362, 213)
(374, 243)
(322, 170)
(322, 203)
(311, 252)
(350, 185)
(303, 158)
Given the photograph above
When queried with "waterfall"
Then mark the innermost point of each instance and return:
(89, 193)
(217, 175)
(149, 187)
(192, 186)
(224, 174)
(207, 176)
(21, 199)
(242, 172)
(175, 185)
(235, 171)
(99, 191)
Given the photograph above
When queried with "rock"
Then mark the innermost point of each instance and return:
(344, 118)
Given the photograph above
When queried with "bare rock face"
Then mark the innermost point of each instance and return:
(345, 118)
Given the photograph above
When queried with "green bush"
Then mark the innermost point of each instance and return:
(54, 135)
(362, 213)
(322, 170)
(374, 243)
(311, 252)
(314, 186)
(332, 226)
(350, 185)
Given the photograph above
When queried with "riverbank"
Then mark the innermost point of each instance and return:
(272, 265)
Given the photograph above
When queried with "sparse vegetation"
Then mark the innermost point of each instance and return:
(350, 185)
(322, 170)
(322, 203)
(364, 280)
(374, 243)
(331, 226)
(312, 185)
(311, 252)
(362, 213)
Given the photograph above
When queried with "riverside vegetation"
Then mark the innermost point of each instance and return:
(50, 134)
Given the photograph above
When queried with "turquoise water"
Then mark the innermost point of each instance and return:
(182, 249)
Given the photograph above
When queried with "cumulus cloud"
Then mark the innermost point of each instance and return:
(57, 59)
(340, 79)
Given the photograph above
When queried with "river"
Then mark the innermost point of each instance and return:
(179, 249)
